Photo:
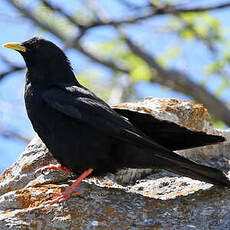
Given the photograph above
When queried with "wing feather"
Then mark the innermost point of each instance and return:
(87, 108)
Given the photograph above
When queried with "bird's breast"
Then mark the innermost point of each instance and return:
(73, 143)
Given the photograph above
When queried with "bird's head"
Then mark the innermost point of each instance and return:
(41, 56)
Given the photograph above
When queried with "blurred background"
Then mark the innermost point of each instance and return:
(123, 50)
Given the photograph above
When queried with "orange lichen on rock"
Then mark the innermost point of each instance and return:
(5, 211)
(26, 166)
(204, 155)
(35, 196)
(5, 173)
(203, 111)
(147, 110)
(198, 112)
(24, 198)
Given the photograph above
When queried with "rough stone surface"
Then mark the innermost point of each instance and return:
(160, 201)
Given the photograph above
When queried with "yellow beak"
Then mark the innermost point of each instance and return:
(15, 46)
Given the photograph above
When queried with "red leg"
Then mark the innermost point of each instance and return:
(52, 166)
(71, 189)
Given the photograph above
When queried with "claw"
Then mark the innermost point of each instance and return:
(50, 167)
(64, 196)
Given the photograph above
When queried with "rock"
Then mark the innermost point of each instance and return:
(160, 201)
(181, 112)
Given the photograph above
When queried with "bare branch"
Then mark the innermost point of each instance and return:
(106, 63)
(62, 12)
(29, 15)
(160, 11)
(153, 11)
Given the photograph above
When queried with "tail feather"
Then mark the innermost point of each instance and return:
(207, 174)
(170, 161)
(182, 166)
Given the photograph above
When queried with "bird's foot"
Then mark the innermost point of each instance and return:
(71, 190)
(57, 167)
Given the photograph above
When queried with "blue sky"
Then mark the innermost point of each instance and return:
(15, 28)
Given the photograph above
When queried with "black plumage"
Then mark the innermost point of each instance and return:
(83, 132)
(166, 133)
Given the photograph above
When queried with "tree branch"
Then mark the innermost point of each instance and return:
(179, 81)
(62, 12)
(159, 11)
(153, 11)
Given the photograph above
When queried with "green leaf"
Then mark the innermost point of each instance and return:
(219, 124)
(138, 68)
(141, 72)
(214, 67)
(187, 34)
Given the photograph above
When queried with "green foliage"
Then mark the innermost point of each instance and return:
(139, 70)
(54, 20)
(83, 15)
(220, 68)
(215, 66)
(219, 124)
(92, 79)
(170, 54)
(200, 25)
(225, 84)
(219, 64)
(117, 50)
(205, 28)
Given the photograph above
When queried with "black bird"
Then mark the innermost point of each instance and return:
(84, 133)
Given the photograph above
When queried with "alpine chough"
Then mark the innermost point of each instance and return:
(84, 133)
